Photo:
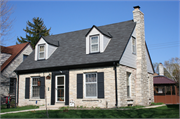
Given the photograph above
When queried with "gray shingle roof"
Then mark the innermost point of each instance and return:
(72, 49)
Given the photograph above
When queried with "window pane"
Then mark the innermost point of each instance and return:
(41, 55)
(36, 91)
(90, 89)
(60, 93)
(94, 47)
(35, 81)
(60, 81)
(41, 48)
(168, 90)
(90, 77)
(94, 39)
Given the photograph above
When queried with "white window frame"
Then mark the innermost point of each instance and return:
(32, 88)
(42, 51)
(94, 44)
(60, 85)
(133, 46)
(129, 78)
(89, 83)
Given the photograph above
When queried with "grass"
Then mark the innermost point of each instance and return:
(170, 111)
(159, 103)
(18, 108)
(132, 107)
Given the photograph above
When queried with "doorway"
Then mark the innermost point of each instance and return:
(60, 88)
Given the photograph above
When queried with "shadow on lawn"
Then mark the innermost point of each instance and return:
(170, 111)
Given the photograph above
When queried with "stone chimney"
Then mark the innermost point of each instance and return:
(142, 91)
(161, 69)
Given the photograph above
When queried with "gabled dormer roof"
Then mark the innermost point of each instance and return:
(101, 31)
(50, 41)
(14, 50)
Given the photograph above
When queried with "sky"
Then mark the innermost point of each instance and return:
(161, 20)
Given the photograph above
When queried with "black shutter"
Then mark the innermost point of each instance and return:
(42, 87)
(79, 85)
(53, 88)
(67, 89)
(101, 85)
(27, 85)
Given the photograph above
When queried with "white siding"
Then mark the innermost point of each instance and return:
(106, 42)
(149, 66)
(128, 58)
(49, 49)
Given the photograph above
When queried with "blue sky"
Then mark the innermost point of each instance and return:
(161, 20)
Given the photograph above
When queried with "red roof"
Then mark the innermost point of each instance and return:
(163, 80)
(14, 51)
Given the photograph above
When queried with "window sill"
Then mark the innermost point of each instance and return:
(94, 53)
(41, 59)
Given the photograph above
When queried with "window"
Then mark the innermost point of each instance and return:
(128, 85)
(91, 85)
(24, 57)
(35, 87)
(41, 51)
(133, 45)
(12, 85)
(94, 44)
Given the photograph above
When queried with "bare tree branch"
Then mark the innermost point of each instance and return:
(5, 21)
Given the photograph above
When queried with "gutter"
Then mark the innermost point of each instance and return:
(115, 75)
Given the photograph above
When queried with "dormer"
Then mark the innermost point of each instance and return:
(45, 48)
(97, 40)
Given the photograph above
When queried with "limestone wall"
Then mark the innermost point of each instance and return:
(109, 88)
(31, 100)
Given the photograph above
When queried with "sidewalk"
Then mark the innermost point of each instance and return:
(56, 108)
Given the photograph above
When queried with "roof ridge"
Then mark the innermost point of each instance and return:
(89, 28)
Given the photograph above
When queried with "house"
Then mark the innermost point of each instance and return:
(103, 66)
(11, 58)
(165, 89)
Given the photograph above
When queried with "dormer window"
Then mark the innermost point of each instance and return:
(133, 45)
(41, 52)
(94, 44)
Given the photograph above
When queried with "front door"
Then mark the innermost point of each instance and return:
(60, 88)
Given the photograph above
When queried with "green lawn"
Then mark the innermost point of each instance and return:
(160, 112)
(18, 108)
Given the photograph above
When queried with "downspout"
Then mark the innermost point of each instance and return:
(17, 96)
(115, 75)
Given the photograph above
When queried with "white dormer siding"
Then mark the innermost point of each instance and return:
(49, 49)
(103, 40)
(129, 57)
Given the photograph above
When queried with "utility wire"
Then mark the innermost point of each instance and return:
(163, 47)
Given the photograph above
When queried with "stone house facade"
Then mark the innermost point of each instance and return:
(103, 66)
(11, 58)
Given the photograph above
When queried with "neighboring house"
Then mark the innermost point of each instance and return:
(103, 66)
(165, 89)
(11, 58)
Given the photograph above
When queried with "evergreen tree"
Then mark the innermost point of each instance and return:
(34, 31)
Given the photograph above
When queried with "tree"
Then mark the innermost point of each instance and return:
(34, 31)
(5, 21)
(173, 67)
